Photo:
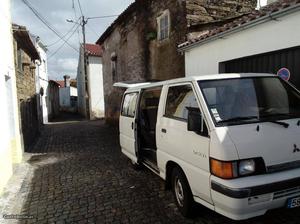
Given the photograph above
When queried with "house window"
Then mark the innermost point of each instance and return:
(114, 66)
(19, 59)
(164, 25)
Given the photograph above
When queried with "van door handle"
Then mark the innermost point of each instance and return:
(164, 130)
(132, 125)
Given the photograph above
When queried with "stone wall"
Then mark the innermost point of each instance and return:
(27, 98)
(125, 48)
(207, 11)
(164, 61)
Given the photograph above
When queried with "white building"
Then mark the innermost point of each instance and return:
(90, 93)
(263, 41)
(10, 138)
(67, 95)
(41, 78)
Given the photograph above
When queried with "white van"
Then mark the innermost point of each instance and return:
(230, 142)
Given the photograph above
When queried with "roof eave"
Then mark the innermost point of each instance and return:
(263, 19)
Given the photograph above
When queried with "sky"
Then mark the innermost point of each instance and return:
(63, 60)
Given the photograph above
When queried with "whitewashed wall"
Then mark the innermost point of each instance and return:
(96, 94)
(10, 138)
(42, 80)
(270, 36)
(64, 97)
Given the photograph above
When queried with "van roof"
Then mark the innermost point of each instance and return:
(199, 78)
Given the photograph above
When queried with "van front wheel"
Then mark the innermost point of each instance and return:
(182, 193)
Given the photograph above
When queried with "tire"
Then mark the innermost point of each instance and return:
(182, 193)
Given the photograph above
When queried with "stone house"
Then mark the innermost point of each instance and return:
(25, 56)
(141, 44)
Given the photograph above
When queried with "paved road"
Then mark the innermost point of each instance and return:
(77, 174)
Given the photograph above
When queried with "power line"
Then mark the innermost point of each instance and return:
(45, 22)
(59, 39)
(102, 17)
(75, 17)
(92, 29)
(63, 44)
(80, 7)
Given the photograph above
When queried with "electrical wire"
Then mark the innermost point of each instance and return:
(75, 17)
(80, 7)
(45, 22)
(58, 40)
(63, 44)
(90, 28)
(102, 17)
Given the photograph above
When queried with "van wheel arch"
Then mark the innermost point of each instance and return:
(169, 169)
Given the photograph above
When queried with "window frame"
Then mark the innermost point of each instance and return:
(164, 15)
(166, 99)
(121, 111)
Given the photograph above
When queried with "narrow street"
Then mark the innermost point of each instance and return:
(76, 173)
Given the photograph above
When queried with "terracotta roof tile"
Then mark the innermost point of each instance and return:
(254, 15)
(94, 50)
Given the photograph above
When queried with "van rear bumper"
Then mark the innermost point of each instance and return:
(248, 197)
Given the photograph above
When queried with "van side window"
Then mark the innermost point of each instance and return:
(179, 100)
(129, 105)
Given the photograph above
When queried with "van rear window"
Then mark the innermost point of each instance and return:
(129, 104)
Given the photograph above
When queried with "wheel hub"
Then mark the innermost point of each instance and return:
(179, 192)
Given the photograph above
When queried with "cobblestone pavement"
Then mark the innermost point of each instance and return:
(77, 174)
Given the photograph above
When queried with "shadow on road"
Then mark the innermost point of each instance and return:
(67, 117)
(79, 175)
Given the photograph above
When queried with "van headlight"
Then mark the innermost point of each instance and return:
(238, 168)
(246, 167)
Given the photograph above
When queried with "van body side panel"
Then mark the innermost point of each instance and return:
(188, 149)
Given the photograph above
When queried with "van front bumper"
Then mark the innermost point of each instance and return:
(237, 201)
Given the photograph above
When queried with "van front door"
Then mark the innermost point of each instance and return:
(188, 149)
(128, 125)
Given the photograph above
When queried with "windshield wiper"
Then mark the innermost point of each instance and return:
(284, 124)
(233, 119)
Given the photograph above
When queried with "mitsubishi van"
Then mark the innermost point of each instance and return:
(230, 142)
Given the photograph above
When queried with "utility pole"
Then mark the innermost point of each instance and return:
(87, 100)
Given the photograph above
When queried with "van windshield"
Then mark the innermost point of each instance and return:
(250, 100)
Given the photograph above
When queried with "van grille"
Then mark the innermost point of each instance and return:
(287, 192)
(283, 166)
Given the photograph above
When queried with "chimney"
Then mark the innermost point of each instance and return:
(67, 80)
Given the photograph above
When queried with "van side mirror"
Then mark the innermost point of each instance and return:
(196, 122)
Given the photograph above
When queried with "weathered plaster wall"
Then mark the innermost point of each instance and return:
(125, 46)
(10, 138)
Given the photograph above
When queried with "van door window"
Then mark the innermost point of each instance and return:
(179, 100)
(129, 105)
